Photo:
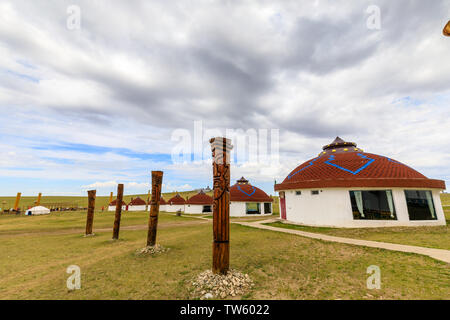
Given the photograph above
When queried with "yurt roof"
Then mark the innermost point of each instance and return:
(137, 202)
(200, 198)
(245, 192)
(114, 202)
(343, 164)
(177, 199)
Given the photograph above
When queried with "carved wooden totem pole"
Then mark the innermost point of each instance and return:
(90, 213)
(118, 216)
(446, 30)
(221, 148)
(157, 177)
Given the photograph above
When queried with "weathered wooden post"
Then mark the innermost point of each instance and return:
(90, 213)
(111, 197)
(119, 201)
(157, 177)
(221, 148)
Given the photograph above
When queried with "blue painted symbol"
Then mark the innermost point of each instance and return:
(300, 170)
(249, 194)
(368, 163)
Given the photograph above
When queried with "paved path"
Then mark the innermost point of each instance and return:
(438, 254)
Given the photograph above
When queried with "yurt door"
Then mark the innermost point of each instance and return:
(283, 205)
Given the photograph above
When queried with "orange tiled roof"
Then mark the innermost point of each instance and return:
(200, 198)
(244, 191)
(342, 164)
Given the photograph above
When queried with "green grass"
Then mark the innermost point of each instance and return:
(432, 237)
(101, 201)
(33, 264)
(445, 198)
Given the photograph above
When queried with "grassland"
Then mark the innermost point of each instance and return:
(431, 237)
(35, 252)
(101, 201)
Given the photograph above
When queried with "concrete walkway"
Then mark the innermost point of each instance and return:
(438, 254)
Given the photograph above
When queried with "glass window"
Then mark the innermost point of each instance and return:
(267, 207)
(315, 192)
(373, 205)
(420, 205)
(298, 193)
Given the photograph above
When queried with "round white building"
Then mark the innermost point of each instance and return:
(176, 204)
(346, 187)
(248, 200)
(200, 203)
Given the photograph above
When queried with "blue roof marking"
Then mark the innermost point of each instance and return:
(254, 190)
(300, 170)
(368, 163)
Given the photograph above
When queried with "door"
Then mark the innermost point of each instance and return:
(282, 205)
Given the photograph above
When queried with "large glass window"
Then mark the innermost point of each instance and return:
(420, 205)
(373, 205)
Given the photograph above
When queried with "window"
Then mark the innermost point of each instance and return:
(315, 192)
(207, 209)
(298, 193)
(267, 207)
(373, 205)
(253, 208)
(420, 205)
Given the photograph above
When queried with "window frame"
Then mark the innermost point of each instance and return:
(432, 202)
(365, 214)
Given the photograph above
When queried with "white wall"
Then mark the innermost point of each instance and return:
(113, 208)
(195, 208)
(175, 207)
(162, 207)
(239, 209)
(332, 207)
(137, 208)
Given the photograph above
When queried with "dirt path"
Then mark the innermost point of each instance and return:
(438, 254)
(162, 225)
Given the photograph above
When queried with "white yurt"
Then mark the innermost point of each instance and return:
(112, 206)
(35, 211)
(248, 200)
(137, 205)
(162, 205)
(176, 204)
(200, 203)
(347, 187)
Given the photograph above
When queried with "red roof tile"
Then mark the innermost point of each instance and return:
(200, 198)
(137, 202)
(342, 164)
(114, 202)
(244, 191)
(176, 200)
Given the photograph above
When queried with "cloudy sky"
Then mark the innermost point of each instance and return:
(92, 106)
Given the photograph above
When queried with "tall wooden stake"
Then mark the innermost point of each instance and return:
(221, 148)
(90, 213)
(118, 212)
(16, 204)
(111, 197)
(157, 177)
(38, 202)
